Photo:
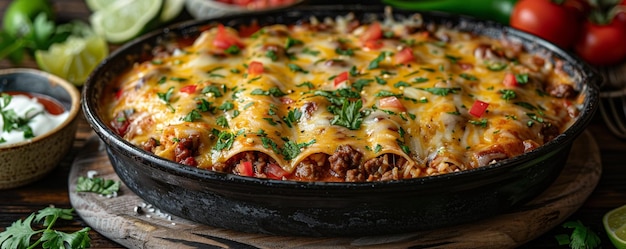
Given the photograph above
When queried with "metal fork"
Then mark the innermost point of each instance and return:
(613, 103)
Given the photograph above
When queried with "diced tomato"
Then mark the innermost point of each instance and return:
(341, 78)
(373, 33)
(274, 171)
(478, 108)
(224, 39)
(404, 56)
(245, 168)
(510, 81)
(255, 68)
(189, 89)
(391, 103)
(373, 45)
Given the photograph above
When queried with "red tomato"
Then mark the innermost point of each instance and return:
(371, 37)
(189, 89)
(404, 56)
(548, 20)
(274, 171)
(255, 68)
(342, 77)
(478, 108)
(224, 39)
(509, 80)
(245, 168)
(391, 103)
(602, 45)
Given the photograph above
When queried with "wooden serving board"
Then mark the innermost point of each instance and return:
(117, 219)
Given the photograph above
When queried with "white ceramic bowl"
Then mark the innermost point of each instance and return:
(24, 162)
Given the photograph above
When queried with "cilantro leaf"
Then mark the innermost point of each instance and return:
(18, 234)
(97, 185)
(57, 239)
(349, 115)
(582, 237)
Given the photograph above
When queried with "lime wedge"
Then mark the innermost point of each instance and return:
(171, 9)
(126, 19)
(615, 225)
(73, 59)
(95, 5)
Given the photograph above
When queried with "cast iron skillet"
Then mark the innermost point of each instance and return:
(335, 209)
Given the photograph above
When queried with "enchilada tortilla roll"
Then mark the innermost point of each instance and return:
(314, 125)
(385, 138)
(258, 127)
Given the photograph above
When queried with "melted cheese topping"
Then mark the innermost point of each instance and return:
(390, 88)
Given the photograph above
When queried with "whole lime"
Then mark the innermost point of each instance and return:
(20, 14)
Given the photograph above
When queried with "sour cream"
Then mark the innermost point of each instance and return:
(27, 108)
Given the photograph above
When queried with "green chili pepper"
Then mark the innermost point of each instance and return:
(496, 10)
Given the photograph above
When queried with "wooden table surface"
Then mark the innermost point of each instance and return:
(18, 203)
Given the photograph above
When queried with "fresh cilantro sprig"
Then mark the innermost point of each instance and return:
(582, 237)
(97, 185)
(22, 235)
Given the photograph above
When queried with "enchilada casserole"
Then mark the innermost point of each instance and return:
(341, 100)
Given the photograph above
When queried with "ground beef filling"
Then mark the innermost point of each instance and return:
(345, 165)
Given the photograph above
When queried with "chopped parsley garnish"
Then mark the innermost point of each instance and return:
(166, 96)
(213, 90)
(178, 79)
(354, 71)
(380, 80)
(226, 106)
(233, 50)
(271, 54)
(296, 68)
(481, 123)
(468, 76)
(526, 105)
(346, 52)
(453, 59)
(225, 140)
(521, 78)
(307, 84)
(192, 116)
(222, 121)
(12, 121)
(508, 94)
(97, 185)
(375, 63)
(349, 115)
(384, 93)
(205, 106)
(360, 83)
(420, 80)
(292, 117)
(292, 42)
(162, 80)
(270, 121)
(274, 91)
(441, 91)
(495, 65)
(269, 143)
(310, 52)
(292, 149)
(400, 84)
